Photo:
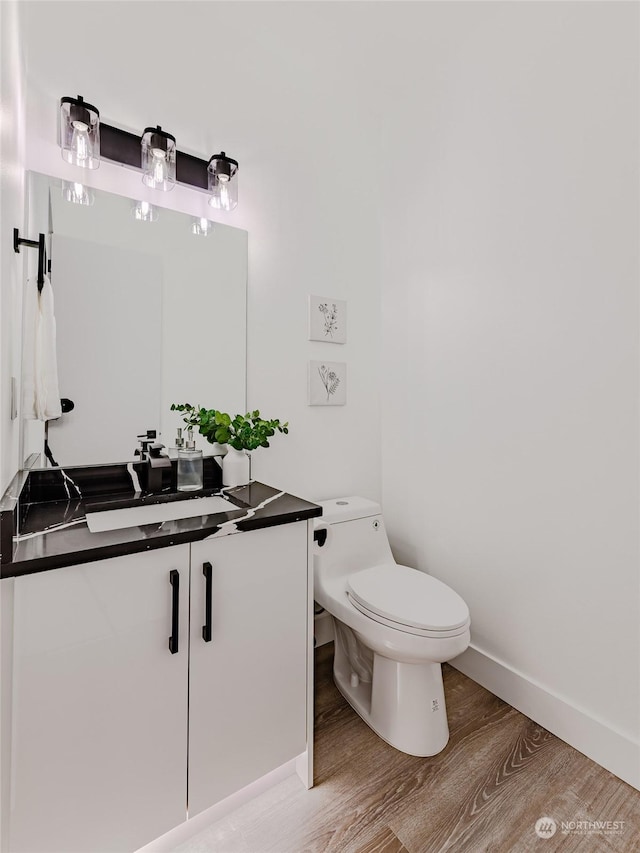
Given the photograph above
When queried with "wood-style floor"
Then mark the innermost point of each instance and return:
(499, 773)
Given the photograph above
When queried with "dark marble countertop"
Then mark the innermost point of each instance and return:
(54, 533)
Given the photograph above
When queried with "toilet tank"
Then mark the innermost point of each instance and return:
(355, 536)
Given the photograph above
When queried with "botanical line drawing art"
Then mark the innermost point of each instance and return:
(327, 383)
(330, 318)
(329, 379)
(327, 319)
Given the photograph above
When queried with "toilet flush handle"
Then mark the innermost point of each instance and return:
(320, 536)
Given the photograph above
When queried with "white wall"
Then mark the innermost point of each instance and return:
(479, 162)
(11, 216)
(12, 118)
(511, 337)
(271, 92)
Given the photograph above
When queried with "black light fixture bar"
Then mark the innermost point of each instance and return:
(120, 146)
(192, 171)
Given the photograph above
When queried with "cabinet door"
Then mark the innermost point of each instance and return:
(247, 686)
(99, 705)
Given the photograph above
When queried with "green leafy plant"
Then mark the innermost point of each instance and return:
(243, 432)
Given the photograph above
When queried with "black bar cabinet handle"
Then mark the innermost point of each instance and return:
(174, 580)
(206, 628)
(42, 261)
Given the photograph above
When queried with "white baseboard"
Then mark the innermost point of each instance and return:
(185, 831)
(612, 749)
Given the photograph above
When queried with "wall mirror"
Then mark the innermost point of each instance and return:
(148, 313)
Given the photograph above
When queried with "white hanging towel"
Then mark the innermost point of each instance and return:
(40, 396)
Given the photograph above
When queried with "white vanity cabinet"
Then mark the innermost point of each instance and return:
(247, 683)
(99, 710)
(135, 698)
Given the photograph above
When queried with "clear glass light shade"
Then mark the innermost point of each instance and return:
(223, 182)
(79, 133)
(158, 159)
(77, 193)
(201, 226)
(144, 212)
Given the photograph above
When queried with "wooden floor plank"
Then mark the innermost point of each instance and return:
(499, 773)
(385, 841)
(480, 806)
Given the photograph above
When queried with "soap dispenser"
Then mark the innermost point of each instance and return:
(179, 445)
(190, 466)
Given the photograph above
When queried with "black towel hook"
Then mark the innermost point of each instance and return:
(38, 244)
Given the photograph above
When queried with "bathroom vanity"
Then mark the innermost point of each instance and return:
(156, 648)
(150, 670)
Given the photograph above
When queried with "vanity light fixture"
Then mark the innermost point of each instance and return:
(201, 226)
(84, 140)
(79, 133)
(158, 159)
(223, 182)
(144, 212)
(77, 193)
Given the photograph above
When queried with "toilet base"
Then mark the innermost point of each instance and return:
(403, 704)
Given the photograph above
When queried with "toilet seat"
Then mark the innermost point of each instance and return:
(408, 600)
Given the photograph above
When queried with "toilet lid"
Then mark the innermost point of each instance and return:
(408, 597)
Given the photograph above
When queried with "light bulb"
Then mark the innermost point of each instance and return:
(144, 212)
(221, 199)
(77, 193)
(80, 141)
(158, 159)
(159, 166)
(201, 226)
(79, 133)
(223, 182)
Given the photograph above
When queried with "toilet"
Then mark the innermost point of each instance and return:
(393, 625)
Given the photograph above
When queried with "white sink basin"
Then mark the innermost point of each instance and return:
(118, 519)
